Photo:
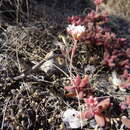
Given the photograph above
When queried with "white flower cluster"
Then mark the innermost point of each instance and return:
(70, 119)
(75, 31)
(115, 80)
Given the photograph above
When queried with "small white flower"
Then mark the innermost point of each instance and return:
(70, 119)
(115, 80)
(75, 31)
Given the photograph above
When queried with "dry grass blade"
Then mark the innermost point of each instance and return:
(4, 111)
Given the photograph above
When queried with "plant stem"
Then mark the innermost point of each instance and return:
(79, 108)
(72, 55)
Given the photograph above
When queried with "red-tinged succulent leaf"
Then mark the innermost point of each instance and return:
(69, 88)
(99, 43)
(76, 20)
(87, 115)
(81, 94)
(125, 84)
(77, 80)
(103, 105)
(84, 82)
(98, 2)
(128, 100)
(71, 94)
(128, 52)
(126, 121)
(122, 39)
(123, 63)
(125, 73)
(111, 64)
(100, 120)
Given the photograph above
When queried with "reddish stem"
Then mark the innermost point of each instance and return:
(72, 55)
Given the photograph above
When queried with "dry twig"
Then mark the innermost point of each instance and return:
(32, 69)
